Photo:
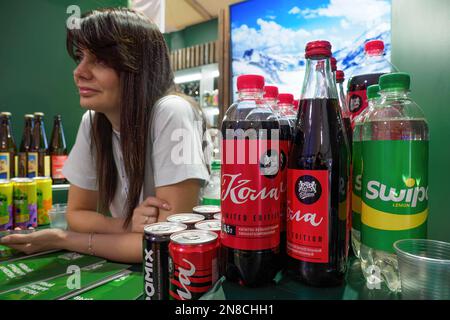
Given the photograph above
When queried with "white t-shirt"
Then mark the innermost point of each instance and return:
(174, 154)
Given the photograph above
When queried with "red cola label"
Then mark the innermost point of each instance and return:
(192, 272)
(284, 151)
(251, 194)
(308, 205)
(357, 102)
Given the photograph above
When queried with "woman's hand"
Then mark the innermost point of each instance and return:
(38, 241)
(147, 213)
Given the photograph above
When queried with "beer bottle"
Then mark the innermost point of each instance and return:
(38, 158)
(25, 146)
(58, 151)
(7, 147)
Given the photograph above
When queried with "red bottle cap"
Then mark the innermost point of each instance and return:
(270, 92)
(333, 62)
(318, 48)
(340, 76)
(374, 47)
(285, 98)
(250, 81)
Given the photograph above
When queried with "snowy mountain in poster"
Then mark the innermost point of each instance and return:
(269, 38)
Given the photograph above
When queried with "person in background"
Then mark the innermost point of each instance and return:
(138, 152)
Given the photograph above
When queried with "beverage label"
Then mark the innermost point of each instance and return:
(47, 171)
(32, 164)
(308, 210)
(16, 165)
(22, 164)
(5, 163)
(210, 201)
(356, 185)
(284, 151)
(57, 166)
(357, 102)
(394, 192)
(250, 194)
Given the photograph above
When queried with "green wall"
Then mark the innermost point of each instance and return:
(36, 72)
(421, 47)
(193, 35)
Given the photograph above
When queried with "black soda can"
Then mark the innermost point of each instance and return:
(208, 211)
(156, 258)
(189, 219)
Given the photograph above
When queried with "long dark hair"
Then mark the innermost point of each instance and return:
(132, 45)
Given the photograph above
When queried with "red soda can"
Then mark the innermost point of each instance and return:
(193, 265)
(213, 225)
(189, 219)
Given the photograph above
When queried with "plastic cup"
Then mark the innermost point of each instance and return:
(58, 216)
(424, 267)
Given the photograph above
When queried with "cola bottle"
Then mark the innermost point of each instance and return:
(286, 107)
(366, 74)
(318, 173)
(340, 78)
(250, 194)
(271, 98)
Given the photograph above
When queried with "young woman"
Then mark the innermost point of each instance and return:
(128, 157)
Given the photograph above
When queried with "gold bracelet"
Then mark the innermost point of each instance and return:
(91, 251)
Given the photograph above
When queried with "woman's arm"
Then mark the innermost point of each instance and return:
(82, 215)
(182, 197)
(125, 247)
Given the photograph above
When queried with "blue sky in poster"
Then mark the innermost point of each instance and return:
(271, 34)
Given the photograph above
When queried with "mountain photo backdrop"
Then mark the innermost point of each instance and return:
(268, 37)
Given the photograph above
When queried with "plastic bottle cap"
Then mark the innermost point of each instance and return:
(395, 81)
(333, 62)
(285, 98)
(250, 81)
(39, 114)
(270, 92)
(374, 47)
(340, 76)
(29, 116)
(318, 48)
(5, 113)
(373, 91)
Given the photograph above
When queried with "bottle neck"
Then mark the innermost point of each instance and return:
(394, 95)
(250, 94)
(273, 103)
(319, 81)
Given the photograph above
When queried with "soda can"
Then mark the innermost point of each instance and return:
(209, 225)
(24, 203)
(208, 211)
(218, 216)
(189, 219)
(44, 199)
(156, 258)
(193, 268)
(6, 205)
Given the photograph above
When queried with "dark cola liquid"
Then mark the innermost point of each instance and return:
(319, 145)
(348, 130)
(250, 267)
(285, 135)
